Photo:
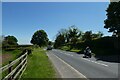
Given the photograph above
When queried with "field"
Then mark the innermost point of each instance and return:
(9, 56)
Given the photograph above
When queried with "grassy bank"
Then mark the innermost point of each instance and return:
(9, 56)
(38, 65)
(66, 48)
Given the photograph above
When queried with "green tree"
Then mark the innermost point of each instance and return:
(60, 40)
(74, 35)
(64, 33)
(9, 40)
(97, 35)
(113, 17)
(50, 43)
(40, 38)
(67, 37)
(87, 36)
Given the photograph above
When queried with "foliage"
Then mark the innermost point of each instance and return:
(60, 40)
(74, 35)
(97, 35)
(50, 43)
(87, 36)
(9, 40)
(104, 45)
(66, 48)
(113, 17)
(40, 38)
(67, 36)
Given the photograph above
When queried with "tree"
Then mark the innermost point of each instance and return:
(64, 33)
(74, 35)
(50, 43)
(67, 37)
(9, 40)
(113, 17)
(97, 35)
(87, 36)
(40, 38)
(60, 40)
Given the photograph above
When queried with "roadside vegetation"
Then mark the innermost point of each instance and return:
(11, 50)
(39, 65)
(75, 40)
(38, 62)
(70, 39)
(10, 56)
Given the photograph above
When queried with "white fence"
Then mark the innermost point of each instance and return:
(15, 73)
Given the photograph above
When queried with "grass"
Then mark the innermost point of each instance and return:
(38, 65)
(66, 48)
(9, 56)
(12, 55)
(75, 50)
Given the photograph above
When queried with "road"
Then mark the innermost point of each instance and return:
(88, 67)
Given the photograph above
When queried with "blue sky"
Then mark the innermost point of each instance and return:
(22, 19)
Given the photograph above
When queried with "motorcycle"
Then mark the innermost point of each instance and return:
(87, 54)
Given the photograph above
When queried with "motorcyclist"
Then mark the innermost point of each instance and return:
(87, 52)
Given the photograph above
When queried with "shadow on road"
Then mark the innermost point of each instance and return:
(114, 58)
(80, 52)
(110, 58)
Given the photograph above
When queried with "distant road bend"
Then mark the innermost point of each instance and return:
(71, 65)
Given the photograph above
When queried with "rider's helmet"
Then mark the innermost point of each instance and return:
(87, 47)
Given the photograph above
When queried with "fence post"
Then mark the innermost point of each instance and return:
(9, 70)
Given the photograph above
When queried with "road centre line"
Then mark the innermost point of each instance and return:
(87, 59)
(94, 62)
(66, 53)
(71, 67)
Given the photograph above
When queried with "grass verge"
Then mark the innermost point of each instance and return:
(9, 56)
(38, 65)
(75, 50)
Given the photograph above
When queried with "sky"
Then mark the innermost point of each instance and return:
(22, 19)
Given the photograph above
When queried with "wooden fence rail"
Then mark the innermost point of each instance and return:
(21, 63)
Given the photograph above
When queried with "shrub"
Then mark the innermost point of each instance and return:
(103, 45)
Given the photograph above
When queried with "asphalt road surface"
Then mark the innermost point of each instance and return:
(88, 67)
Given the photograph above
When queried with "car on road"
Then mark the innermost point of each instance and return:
(49, 47)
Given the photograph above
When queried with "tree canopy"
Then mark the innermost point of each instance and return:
(74, 35)
(87, 36)
(9, 40)
(97, 35)
(40, 38)
(113, 17)
(69, 36)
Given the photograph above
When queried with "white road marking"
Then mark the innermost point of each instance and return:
(66, 53)
(71, 67)
(86, 59)
(94, 62)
